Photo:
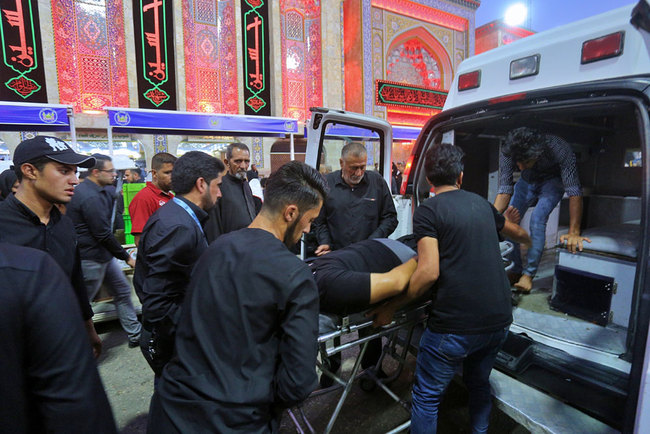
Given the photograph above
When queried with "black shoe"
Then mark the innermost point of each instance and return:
(134, 344)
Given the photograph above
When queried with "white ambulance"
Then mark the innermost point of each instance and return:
(577, 359)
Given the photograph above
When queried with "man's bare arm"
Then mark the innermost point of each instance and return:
(573, 239)
(501, 202)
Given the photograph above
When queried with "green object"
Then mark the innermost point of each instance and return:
(128, 192)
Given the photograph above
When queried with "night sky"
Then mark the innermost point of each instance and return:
(546, 14)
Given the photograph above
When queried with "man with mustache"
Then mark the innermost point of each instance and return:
(236, 208)
(359, 207)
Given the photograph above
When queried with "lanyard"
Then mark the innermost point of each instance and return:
(189, 210)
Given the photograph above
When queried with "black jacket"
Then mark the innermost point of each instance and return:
(48, 375)
(247, 341)
(170, 245)
(234, 210)
(90, 211)
(20, 226)
(354, 214)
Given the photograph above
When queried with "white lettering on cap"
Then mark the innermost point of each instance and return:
(57, 145)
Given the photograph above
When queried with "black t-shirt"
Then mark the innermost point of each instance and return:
(472, 294)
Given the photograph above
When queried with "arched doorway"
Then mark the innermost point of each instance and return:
(281, 152)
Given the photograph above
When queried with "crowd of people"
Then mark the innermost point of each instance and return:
(229, 314)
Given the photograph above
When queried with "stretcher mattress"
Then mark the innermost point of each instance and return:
(620, 239)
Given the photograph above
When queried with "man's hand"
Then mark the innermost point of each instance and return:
(573, 242)
(131, 262)
(512, 215)
(382, 315)
(322, 249)
(95, 341)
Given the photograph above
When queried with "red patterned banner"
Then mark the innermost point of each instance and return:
(389, 93)
(22, 72)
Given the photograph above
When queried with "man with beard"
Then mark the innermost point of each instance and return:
(46, 168)
(247, 341)
(236, 209)
(172, 241)
(154, 195)
(359, 207)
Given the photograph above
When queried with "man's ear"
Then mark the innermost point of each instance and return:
(290, 213)
(341, 162)
(29, 171)
(460, 179)
(201, 185)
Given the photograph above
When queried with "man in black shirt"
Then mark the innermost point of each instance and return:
(355, 277)
(49, 379)
(236, 208)
(359, 205)
(171, 243)
(46, 169)
(247, 341)
(458, 251)
(90, 211)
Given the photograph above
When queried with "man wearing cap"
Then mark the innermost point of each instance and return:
(90, 211)
(46, 169)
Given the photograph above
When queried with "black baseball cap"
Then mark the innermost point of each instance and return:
(51, 147)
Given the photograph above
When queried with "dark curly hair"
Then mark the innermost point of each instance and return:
(443, 164)
(294, 183)
(524, 144)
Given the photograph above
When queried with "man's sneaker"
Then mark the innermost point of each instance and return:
(134, 344)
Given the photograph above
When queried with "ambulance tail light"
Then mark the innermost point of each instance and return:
(470, 80)
(524, 67)
(405, 175)
(602, 48)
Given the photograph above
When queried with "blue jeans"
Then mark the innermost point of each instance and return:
(95, 273)
(439, 357)
(544, 196)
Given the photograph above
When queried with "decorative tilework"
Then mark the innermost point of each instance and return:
(90, 53)
(24, 135)
(210, 56)
(294, 23)
(257, 145)
(160, 143)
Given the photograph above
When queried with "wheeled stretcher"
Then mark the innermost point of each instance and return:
(341, 333)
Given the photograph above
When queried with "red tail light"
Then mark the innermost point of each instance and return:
(471, 80)
(602, 48)
(405, 175)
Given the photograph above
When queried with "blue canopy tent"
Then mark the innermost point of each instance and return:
(37, 117)
(341, 130)
(144, 121)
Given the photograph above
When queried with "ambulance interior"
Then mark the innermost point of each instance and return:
(586, 300)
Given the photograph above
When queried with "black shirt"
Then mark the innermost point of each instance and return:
(20, 226)
(90, 210)
(247, 340)
(48, 377)
(170, 245)
(352, 214)
(234, 210)
(472, 295)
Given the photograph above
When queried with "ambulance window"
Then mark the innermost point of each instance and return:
(339, 135)
(632, 158)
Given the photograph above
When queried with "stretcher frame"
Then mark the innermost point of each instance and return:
(405, 320)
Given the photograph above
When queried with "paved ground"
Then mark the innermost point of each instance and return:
(129, 384)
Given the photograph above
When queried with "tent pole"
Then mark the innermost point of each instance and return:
(110, 140)
(291, 148)
(73, 131)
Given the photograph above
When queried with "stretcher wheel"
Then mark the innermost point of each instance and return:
(367, 384)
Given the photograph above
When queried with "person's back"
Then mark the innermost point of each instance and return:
(49, 379)
(472, 294)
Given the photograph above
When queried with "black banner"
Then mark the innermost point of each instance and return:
(154, 48)
(22, 71)
(255, 39)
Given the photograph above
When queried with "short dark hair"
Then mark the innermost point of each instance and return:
(294, 183)
(443, 164)
(524, 144)
(237, 145)
(100, 162)
(192, 166)
(39, 163)
(162, 158)
(353, 148)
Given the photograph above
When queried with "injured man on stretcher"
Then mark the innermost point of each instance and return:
(354, 278)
